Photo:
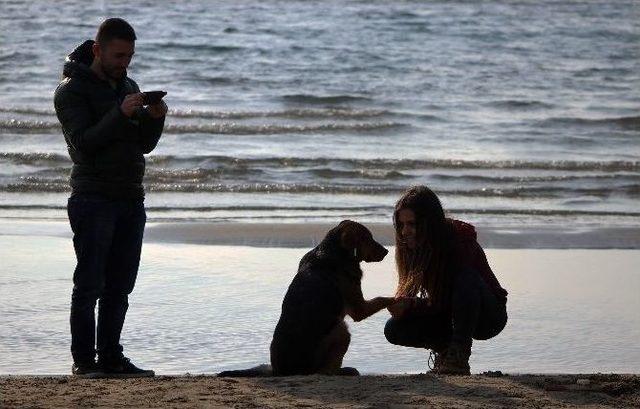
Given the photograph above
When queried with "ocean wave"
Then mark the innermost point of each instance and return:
(192, 175)
(327, 173)
(338, 113)
(18, 56)
(35, 158)
(398, 165)
(542, 212)
(37, 184)
(403, 164)
(223, 128)
(323, 99)
(534, 178)
(28, 126)
(620, 71)
(520, 104)
(209, 208)
(241, 129)
(218, 172)
(341, 113)
(33, 186)
(206, 47)
(28, 110)
(623, 122)
(347, 210)
(223, 80)
(154, 175)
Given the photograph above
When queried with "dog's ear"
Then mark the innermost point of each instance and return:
(349, 236)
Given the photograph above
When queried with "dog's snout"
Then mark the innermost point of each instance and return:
(377, 252)
(382, 252)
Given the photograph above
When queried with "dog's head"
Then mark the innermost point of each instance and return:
(358, 241)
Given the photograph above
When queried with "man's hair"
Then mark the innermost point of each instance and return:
(114, 28)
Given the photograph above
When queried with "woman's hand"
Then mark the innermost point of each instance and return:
(401, 306)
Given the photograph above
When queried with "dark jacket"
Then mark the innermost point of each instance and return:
(105, 146)
(469, 253)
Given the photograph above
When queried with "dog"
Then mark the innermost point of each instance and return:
(311, 336)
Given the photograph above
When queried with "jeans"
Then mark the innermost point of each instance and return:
(107, 238)
(474, 313)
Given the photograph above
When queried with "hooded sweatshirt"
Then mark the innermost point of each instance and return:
(469, 253)
(106, 146)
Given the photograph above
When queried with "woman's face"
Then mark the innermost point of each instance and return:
(407, 227)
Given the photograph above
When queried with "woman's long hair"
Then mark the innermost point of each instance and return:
(422, 271)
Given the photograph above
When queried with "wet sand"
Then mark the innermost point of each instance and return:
(303, 235)
(536, 267)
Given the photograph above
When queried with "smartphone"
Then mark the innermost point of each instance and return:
(153, 97)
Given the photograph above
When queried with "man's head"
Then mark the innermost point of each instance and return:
(114, 47)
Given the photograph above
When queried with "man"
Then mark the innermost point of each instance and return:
(107, 130)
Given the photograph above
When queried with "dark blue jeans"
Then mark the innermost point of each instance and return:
(107, 238)
(474, 313)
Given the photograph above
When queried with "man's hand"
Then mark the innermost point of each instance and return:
(131, 103)
(402, 305)
(158, 110)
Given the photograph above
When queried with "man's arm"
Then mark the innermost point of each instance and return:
(151, 122)
(73, 113)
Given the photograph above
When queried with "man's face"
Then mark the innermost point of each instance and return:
(114, 57)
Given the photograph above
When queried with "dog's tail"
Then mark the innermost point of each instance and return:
(255, 372)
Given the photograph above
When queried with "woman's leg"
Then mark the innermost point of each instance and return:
(493, 314)
(475, 313)
(431, 331)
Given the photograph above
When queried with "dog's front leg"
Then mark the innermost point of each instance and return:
(365, 309)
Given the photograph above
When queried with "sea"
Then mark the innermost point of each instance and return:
(515, 112)
(518, 114)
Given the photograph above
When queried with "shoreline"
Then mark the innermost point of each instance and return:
(205, 309)
(303, 235)
(368, 391)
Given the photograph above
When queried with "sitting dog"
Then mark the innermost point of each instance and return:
(311, 336)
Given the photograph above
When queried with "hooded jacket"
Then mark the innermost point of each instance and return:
(106, 146)
(469, 253)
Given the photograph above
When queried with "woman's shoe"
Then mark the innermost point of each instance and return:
(454, 362)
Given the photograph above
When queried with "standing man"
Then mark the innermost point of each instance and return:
(107, 129)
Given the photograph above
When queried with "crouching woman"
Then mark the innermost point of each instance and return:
(451, 294)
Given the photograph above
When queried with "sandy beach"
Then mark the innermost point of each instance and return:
(396, 391)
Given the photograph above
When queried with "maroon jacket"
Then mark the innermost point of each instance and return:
(469, 253)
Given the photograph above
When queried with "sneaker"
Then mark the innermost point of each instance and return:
(86, 370)
(123, 368)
